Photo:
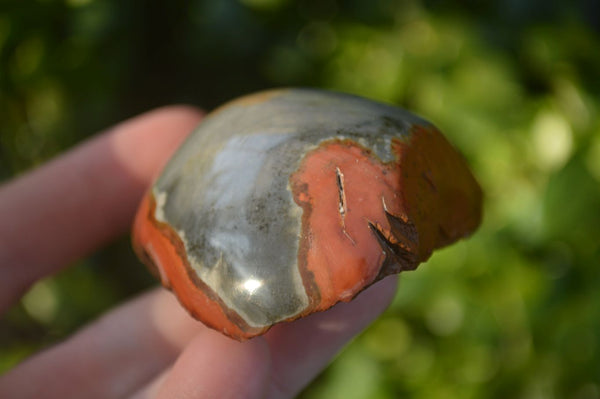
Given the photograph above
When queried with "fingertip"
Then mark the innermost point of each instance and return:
(303, 348)
(175, 327)
(213, 366)
(143, 145)
(84, 197)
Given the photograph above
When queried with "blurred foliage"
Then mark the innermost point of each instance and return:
(512, 312)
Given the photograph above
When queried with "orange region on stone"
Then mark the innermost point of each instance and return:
(154, 243)
(428, 186)
(339, 249)
(442, 198)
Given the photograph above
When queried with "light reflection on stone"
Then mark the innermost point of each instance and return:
(251, 285)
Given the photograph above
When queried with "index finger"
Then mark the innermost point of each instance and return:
(78, 201)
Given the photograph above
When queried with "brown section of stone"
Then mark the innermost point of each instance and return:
(442, 198)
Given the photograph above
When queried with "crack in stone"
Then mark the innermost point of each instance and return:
(342, 207)
(399, 244)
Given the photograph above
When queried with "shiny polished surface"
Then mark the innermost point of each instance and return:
(287, 202)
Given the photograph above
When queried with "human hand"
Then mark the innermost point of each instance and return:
(148, 347)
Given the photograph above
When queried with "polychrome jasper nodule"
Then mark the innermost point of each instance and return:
(284, 203)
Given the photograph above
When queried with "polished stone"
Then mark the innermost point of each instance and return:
(286, 202)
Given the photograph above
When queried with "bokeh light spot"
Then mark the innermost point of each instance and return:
(593, 157)
(389, 338)
(445, 316)
(28, 56)
(552, 140)
(41, 302)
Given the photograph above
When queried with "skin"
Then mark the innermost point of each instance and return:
(148, 347)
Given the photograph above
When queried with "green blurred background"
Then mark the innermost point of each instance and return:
(514, 312)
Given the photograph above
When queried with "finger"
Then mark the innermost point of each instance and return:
(81, 199)
(112, 357)
(216, 367)
(151, 389)
(298, 351)
(302, 349)
(126, 349)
